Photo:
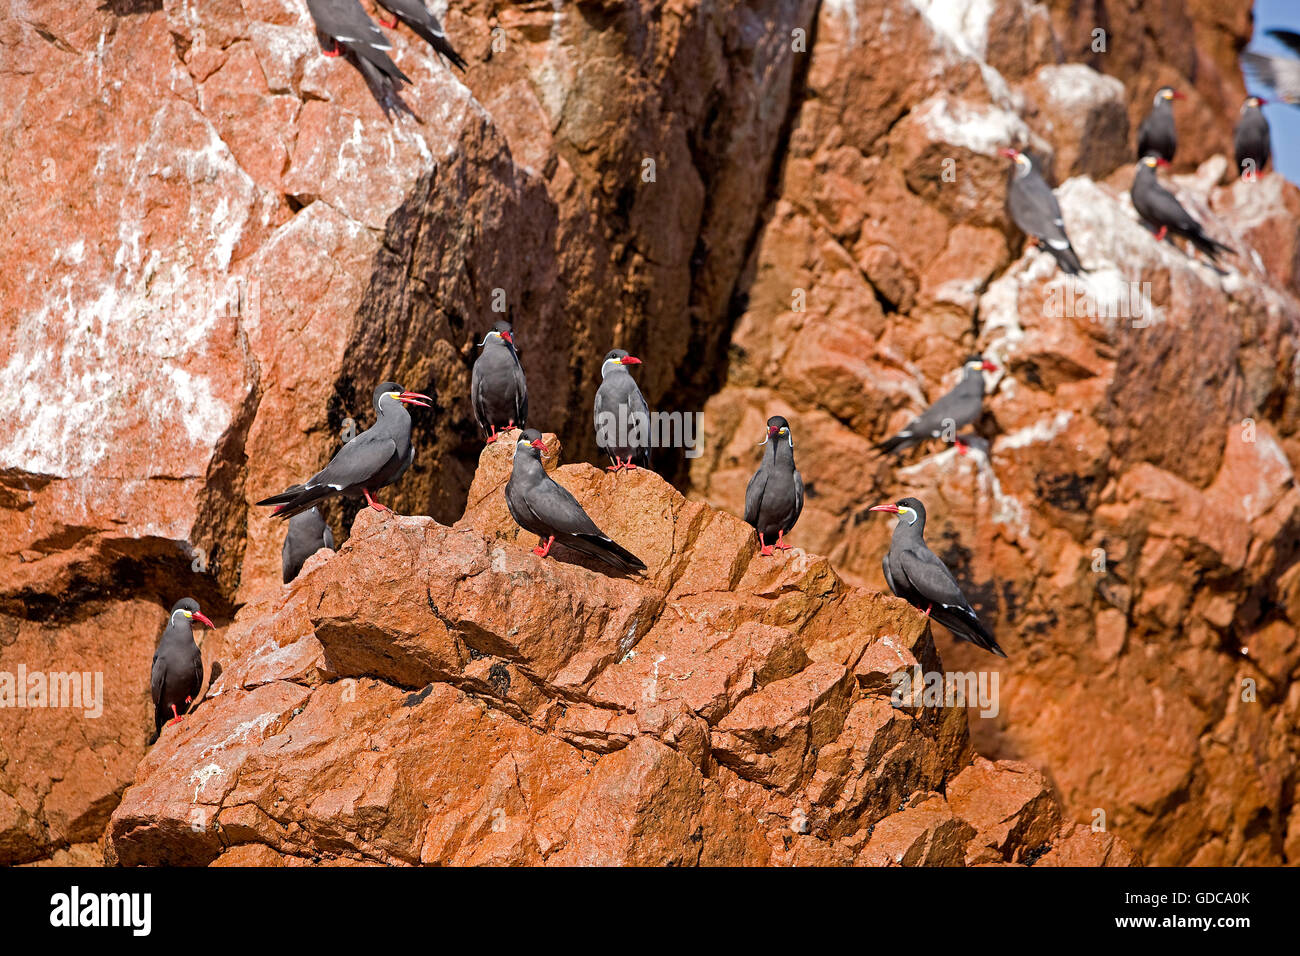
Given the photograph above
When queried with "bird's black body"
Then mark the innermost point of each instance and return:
(916, 574)
(774, 496)
(177, 672)
(1036, 212)
(307, 534)
(960, 407)
(1157, 135)
(1250, 142)
(417, 16)
(370, 461)
(342, 26)
(498, 390)
(621, 413)
(1158, 206)
(540, 505)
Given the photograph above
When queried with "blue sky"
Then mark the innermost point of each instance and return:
(1283, 120)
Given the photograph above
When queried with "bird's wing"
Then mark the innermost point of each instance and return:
(889, 577)
(158, 677)
(476, 393)
(198, 675)
(557, 510)
(798, 494)
(328, 538)
(754, 494)
(1164, 210)
(1041, 212)
(346, 22)
(961, 406)
(1288, 38)
(1281, 74)
(521, 393)
(357, 462)
(930, 578)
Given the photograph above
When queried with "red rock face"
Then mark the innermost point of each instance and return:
(495, 707)
(217, 247)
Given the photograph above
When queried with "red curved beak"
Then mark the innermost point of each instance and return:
(538, 443)
(989, 366)
(1179, 96)
(1008, 153)
(892, 509)
(1162, 162)
(415, 398)
(202, 618)
(508, 337)
(631, 360)
(1262, 101)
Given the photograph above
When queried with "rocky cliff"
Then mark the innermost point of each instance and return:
(217, 245)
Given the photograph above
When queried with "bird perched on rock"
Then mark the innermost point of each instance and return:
(1280, 73)
(915, 573)
(622, 416)
(1158, 207)
(372, 460)
(1034, 209)
(1156, 135)
(342, 27)
(960, 407)
(541, 505)
(417, 16)
(774, 496)
(1250, 142)
(308, 533)
(177, 665)
(497, 388)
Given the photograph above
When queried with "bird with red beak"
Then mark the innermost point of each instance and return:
(621, 414)
(177, 673)
(1156, 135)
(372, 460)
(498, 391)
(774, 496)
(951, 412)
(1164, 213)
(917, 575)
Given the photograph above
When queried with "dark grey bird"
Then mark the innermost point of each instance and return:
(1036, 212)
(1156, 135)
(1250, 142)
(370, 461)
(774, 496)
(1279, 73)
(916, 574)
(1158, 207)
(417, 16)
(960, 407)
(622, 416)
(497, 388)
(541, 505)
(177, 671)
(342, 27)
(307, 534)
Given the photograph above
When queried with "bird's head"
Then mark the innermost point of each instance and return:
(1254, 103)
(530, 443)
(502, 331)
(778, 427)
(187, 609)
(1151, 162)
(391, 391)
(979, 363)
(1167, 94)
(1021, 160)
(907, 509)
(617, 358)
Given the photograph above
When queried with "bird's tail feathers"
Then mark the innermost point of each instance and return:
(608, 550)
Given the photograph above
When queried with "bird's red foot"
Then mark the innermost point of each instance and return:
(780, 541)
(629, 466)
(962, 447)
(619, 464)
(1161, 234)
(542, 550)
(373, 503)
(764, 549)
(385, 23)
(176, 718)
(928, 610)
(334, 51)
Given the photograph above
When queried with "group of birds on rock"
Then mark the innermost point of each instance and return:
(774, 496)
